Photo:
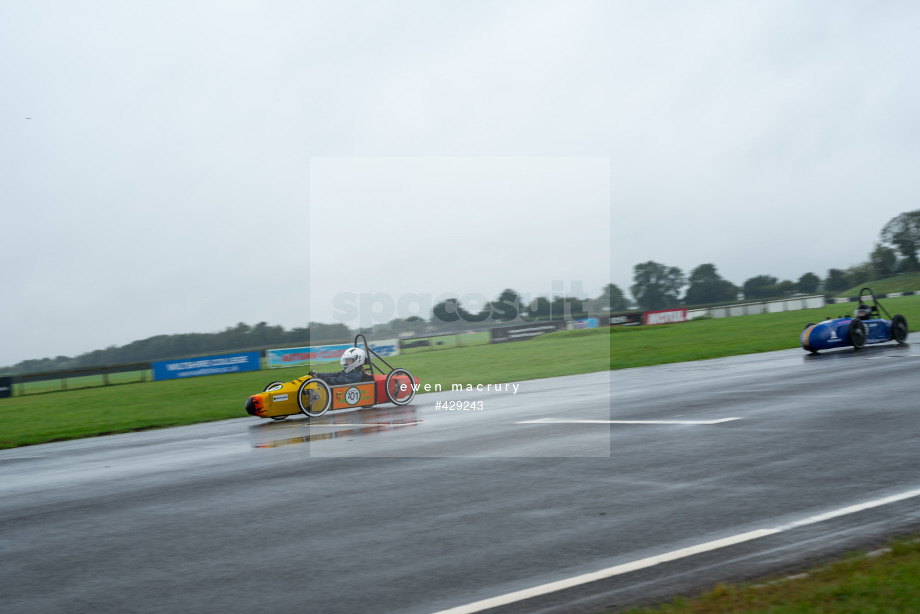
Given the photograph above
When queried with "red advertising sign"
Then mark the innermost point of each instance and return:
(664, 316)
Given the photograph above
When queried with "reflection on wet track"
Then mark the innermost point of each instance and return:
(882, 350)
(332, 426)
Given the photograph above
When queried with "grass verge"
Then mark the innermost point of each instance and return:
(887, 581)
(906, 282)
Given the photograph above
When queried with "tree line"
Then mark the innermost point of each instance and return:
(447, 316)
(657, 286)
(165, 347)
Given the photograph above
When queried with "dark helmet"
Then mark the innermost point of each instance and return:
(863, 312)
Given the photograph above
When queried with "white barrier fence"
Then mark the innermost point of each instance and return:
(744, 309)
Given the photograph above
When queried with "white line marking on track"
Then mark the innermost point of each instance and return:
(350, 424)
(563, 421)
(674, 555)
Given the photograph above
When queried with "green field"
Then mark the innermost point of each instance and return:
(884, 582)
(908, 282)
(83, 381)
(446, 342)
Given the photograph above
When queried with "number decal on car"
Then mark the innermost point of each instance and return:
(352, 395)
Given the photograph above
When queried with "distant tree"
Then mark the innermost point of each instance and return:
(329, 332)
(836, 281)
(903, 232)
(656, 286)
(166, 347)
(505, 308)
(538, 308)
(784, 288)
(707, 286)
(446, 311)
(262, 335)
(884, 261)
(861, 273)
(613, 299)
(297, 336)
(808, 283)
(576, 307)
(566, 307)
(469, 316)
(761, 286)
(415, 324)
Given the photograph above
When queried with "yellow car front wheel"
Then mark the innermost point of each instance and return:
(314, 397)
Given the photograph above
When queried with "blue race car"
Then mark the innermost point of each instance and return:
(866, 326)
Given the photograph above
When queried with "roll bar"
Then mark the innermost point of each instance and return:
(875, 303)
(369, 351)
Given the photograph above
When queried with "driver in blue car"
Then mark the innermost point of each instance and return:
(863, 312)
(351, 372)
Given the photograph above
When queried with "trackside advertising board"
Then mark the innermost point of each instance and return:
(6, 387)
(206, 365)
(525, 331)
(295, 357)
(622, 319)
(665, 316)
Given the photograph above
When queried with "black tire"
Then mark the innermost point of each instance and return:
(400, 387)
(273, 386)
(858, 333)
(809, 324)
(899, 328)
(321, 399)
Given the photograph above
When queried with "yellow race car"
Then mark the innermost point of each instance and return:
(313, 397)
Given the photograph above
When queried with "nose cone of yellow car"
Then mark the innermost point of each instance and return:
(254, 405)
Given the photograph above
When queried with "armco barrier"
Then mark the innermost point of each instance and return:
(853, 299)
(753, 308)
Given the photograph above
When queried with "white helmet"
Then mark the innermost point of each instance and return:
(352, 358)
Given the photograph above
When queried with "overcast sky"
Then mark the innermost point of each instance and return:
(170, 167)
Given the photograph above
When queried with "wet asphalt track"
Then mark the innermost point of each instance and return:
(417, 510)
